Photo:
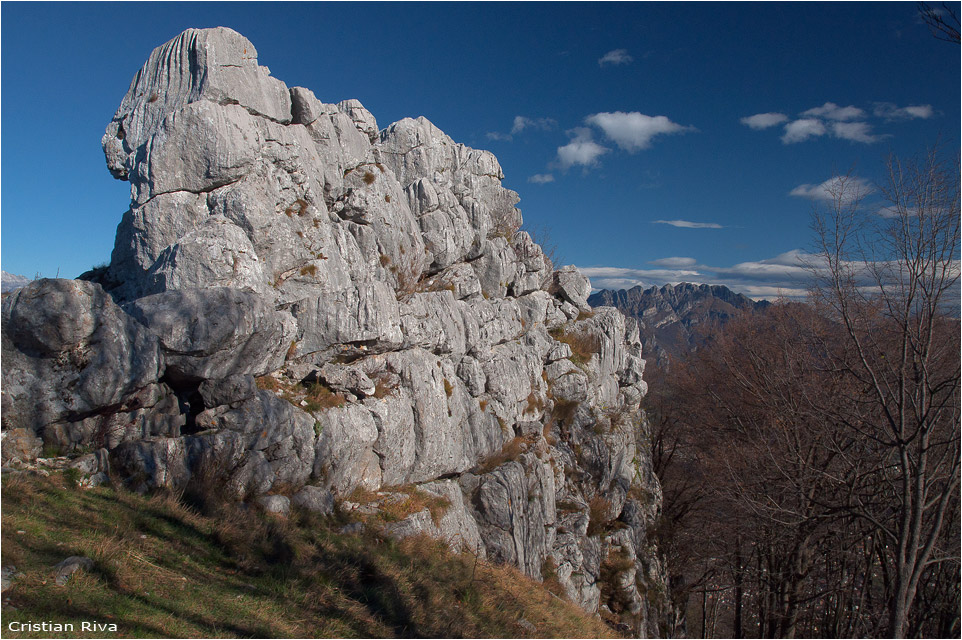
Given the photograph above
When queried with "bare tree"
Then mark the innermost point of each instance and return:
(943, 22)
(888, 277)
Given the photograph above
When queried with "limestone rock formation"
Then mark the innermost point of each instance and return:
(302, 304)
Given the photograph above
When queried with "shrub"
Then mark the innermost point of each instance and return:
(309, 270)
(369, 177)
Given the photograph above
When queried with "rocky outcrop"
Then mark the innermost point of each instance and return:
(302, 305)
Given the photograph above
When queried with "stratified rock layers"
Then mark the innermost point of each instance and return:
(299, 299)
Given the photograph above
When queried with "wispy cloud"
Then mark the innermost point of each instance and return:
(615, 57)
(582, 150)
(764, 120)
(854, 131)
(633, 131)
(844, 123)
(685, 224)
(541, 178)
(674, 262)
(521, 123)
(889, 111)
(832, 111)
(846, 188)
(799, 130)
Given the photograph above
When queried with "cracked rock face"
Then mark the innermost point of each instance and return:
(406, 337)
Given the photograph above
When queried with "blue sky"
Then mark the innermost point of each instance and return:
(655, 142)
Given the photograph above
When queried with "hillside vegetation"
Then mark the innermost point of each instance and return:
(165, 569)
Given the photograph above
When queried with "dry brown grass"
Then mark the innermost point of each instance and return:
(320, 398)
(369, 177)
(535, 403)
(268, 383)
(299, 207)
(599, 510)
(309, 270)
(511, 450)
(583, 344)
(392, 509)
(384, 385)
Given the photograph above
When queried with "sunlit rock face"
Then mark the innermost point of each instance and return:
(299, 298)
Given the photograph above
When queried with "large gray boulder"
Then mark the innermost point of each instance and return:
(69, 352)
(216, 333)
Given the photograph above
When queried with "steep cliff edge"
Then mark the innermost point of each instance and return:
(312, 306)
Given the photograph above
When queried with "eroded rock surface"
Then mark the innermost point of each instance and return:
(302, 304)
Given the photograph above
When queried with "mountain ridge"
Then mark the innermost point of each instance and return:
(669, 317)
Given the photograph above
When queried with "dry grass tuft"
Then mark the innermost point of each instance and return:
(583, 344)
(535, 403)
(599, 510)
(397, 503)
(320, 398)
(511, 450)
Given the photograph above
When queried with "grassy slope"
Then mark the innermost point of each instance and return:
(164, 570)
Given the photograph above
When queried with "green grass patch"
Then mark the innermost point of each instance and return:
(164, 570)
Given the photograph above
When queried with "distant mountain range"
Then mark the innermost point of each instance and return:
(11, 281)
(670, 317)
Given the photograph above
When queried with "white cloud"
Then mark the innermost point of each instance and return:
(582, 150)
(685, 224)
(854, 131)
(494, 135)
(521, 123)
(799, 130)
(764, 120)
(633, 131)
(832, 111)
(615, 57)
(890, 111)
(541, 178)
(674, 262)
(847, 188)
